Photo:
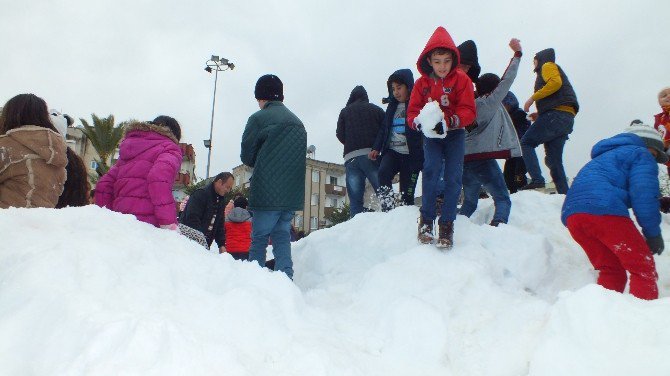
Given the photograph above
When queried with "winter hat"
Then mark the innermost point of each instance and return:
(240, 202)
(269, 87)
(468, 52)
(486, 84)
(510, 100)
(652, 139)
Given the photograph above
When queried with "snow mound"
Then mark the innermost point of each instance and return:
(89, 291)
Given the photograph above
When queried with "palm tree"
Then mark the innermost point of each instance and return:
(105, 138)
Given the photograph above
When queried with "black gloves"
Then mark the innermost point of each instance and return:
(656, 244)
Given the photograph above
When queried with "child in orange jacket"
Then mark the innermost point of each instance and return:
(238, 229)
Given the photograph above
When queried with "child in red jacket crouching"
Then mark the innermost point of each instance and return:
(238, 229)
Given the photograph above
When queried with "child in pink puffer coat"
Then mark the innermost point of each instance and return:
(140, 183)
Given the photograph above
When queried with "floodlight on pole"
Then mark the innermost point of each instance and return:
(217, 65)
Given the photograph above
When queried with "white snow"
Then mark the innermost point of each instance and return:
(428, 117)
(85, 291)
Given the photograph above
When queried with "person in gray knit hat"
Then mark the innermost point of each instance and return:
(623, 174)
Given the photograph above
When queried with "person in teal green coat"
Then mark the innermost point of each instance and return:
(274, 144)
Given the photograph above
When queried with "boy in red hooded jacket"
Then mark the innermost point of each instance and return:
(451, 88)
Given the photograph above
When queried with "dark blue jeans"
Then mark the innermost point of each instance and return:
(551, 129)
(358, 169)
(392, 163)
(275, 224)
(488, 174)
(442, 155)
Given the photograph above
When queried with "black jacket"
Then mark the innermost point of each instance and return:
(359, 122)
(202, 206)
(414, 139)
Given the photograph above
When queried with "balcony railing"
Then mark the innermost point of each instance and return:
(332, 189)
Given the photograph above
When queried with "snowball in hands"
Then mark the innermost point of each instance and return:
(430, 115)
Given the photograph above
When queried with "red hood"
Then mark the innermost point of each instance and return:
(440, 38)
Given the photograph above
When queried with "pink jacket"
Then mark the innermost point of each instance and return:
(140, 183)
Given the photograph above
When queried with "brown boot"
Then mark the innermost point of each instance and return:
(446, 237)
(425, 235)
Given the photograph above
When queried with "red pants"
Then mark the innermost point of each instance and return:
(614, 245)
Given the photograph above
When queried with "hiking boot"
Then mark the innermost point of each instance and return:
(446, 235)
(425, 234)
(532, 185)
(496, 222)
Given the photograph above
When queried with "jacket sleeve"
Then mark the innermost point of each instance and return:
(499, 93)
(250, 143)
(340, 128)
(380, 140)
(220, 233)
(465, 105)
(552, 77)
(104, 189)
(644, 194)
(416, 103)
(160, 179)
(196, 206)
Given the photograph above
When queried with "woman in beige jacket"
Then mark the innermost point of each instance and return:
(32, 155)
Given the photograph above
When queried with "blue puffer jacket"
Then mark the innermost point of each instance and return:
(622, 174)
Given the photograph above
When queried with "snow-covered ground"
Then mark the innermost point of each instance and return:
(85, 291)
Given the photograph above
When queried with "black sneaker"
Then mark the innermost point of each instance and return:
(532, 185)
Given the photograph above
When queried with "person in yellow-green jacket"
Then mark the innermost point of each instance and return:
(557, 105)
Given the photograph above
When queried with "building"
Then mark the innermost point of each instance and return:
(325, 191)
(78, 142)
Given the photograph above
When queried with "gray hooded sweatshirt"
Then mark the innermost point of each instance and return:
(494, 137)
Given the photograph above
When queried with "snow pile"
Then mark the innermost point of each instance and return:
(430, 115)
(88, 291)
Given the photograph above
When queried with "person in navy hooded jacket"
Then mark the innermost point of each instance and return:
(622, 174)
(398, 144)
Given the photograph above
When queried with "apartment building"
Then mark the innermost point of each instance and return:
(325, 191)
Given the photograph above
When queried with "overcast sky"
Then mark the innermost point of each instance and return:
(138, 59)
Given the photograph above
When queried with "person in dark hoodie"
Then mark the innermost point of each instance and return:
(515, 170)
(557, 106)
(469, 62)
(357, 129)
(398, 144)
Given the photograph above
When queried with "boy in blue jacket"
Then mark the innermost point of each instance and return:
(622, 174)
(399, 146)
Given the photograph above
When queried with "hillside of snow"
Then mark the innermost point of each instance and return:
(85, 291)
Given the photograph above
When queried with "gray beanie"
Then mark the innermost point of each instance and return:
(651, 138)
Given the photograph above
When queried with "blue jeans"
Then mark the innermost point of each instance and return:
(551, 129)
(275, 224)
(488, 174)
(358, 169)
(442, 156)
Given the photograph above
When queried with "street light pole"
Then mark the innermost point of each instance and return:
(217, 64)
